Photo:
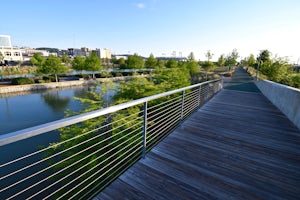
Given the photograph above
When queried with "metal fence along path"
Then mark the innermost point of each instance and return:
(95, 147)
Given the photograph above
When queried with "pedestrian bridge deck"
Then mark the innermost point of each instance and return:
(237, 146)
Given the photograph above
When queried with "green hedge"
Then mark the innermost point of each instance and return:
(22, 81)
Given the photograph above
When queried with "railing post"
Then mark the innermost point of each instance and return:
(199, 97)
(182, 105)
(206, 93)
(144, 130)
(222, 82)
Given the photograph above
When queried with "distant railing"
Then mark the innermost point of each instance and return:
(96, 147)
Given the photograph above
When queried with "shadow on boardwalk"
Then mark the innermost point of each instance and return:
(237, 146)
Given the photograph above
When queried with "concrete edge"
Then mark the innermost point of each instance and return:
(64, 84)
(285, 98)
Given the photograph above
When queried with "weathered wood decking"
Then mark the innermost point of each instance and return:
(237, 146)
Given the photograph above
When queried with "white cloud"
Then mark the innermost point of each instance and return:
(141, 5)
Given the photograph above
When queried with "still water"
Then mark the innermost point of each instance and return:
(31, 109)
(20, 111)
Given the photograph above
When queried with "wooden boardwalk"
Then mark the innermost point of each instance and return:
(237, 146)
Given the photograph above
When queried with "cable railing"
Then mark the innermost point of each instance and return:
(93, 149)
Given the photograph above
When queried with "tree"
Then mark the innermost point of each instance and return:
(193, 67)
(78, 63)
(231, 59)
(276, 69)
(122, 63)
(209, 55)
(171, 63)
(65, 59)
(191, 57)
(221, 61)
(251, 61)
(264, 56)
(173, 78)
(151, 62)
(37, 59)
(135, 62)
(52, 65)
(93, 63)
(135, 89)
(207, 66)
(161, 64)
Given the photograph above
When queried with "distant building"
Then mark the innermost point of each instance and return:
(124, 56)
(5, 41)
(103, 53)
(30, 52)
(10, 53)
(86, 51)
(172, 58)
(72, 52)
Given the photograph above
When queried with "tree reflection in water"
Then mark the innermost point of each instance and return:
(55, 101)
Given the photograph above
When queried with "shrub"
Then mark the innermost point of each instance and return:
(48, 79)
(22, 81)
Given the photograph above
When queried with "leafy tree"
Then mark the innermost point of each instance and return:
(209, 55)
(161, 64)
(231, 59)
(173, 78)
(78, 63)
(135, 62)
(151, 62)
(207, 66)
(93, 63)
(52, 65)
(276, 69)
(65, 59)
(251, 61)
(193, 67)
(122, 63)
(37, 59)
(171, 63)
(264, 56)
(114, 132)
(135, 89)
(221, 60)
(191, 57)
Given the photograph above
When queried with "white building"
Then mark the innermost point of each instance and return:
(103, 53)
(30, 52)
(9, 52)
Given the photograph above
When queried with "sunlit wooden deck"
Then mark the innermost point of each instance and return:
(237, 146)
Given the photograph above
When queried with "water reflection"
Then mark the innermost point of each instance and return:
(55, 101)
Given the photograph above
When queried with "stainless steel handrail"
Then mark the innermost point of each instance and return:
(86, 161)
(36, 130)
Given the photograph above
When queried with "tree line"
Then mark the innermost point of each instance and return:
(275, 68)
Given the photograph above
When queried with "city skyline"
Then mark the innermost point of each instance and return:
(161, 27)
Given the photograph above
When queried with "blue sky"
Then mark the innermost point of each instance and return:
(157, 26)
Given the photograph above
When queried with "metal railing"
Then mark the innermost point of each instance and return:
(93, 148)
